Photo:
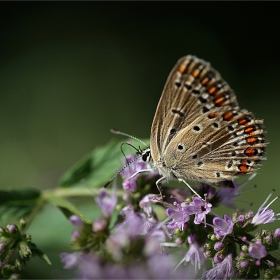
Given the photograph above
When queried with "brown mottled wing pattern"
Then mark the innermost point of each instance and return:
(217, 146)
(192, 89)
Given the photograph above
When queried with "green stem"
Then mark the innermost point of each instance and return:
(62, 192)
(76, 192)
(33, 213)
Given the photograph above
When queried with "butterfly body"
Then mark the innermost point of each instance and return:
(199, 132)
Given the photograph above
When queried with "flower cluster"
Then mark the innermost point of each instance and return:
(133, 242)
(16, 248)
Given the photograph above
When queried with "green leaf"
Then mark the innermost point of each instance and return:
(67, 208)
(96, 168)
(16, 204)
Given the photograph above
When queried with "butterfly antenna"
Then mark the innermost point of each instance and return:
(120, 171)
(130, 136)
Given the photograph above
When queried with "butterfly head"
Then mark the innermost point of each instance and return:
(146, 155)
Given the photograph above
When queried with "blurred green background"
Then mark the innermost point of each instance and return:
(70, 71)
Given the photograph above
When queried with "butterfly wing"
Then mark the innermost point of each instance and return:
(192, 89)
(217, 146)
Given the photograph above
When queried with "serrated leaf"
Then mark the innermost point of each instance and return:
(16, 204)
(67, 208)
(97, 167)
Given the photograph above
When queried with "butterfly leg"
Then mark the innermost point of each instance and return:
(158, 186)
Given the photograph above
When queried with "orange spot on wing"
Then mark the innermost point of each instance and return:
(228, 116)
(252, 140)
(249, 129)
(195, 73)
(211, 90)
(219, 100)
(212, 115)
(243, 168)
(243, 121)
(204, 81)
(181, 68)
(250, 152)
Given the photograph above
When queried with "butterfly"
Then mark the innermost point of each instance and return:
(199, 133)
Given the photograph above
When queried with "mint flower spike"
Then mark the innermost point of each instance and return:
(265, 215)
(223, 270)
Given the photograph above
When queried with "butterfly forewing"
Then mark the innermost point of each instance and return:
(192, 88)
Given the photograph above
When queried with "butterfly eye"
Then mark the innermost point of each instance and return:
(146, 155)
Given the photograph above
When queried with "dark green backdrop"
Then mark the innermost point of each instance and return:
(70, 71)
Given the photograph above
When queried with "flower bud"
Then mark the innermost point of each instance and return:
(99, 225)
(12, 228)
(244, 264)
(76, 221)
(277, 233)
(218, 246)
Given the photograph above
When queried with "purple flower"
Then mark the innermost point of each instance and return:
(129, 173)
(218, 246)
(245, 264)
(135, 166)
(89, 267)
(116, 243)
(161, 266)
(179, 217)
(76, 221)
(75, 235)
(99, 224)
(12, 228)
(199, 207)
(257, 250)
(241, 219)
(106, 202)
(153, 241)
(218, 257)
(223, 226)
(127, 210)
(227, 195)
(222, 270)
(146, 203)
(277, 233)
(135, 224)
(130, 185)
(264, 214)
(69, 260)
(195, 256)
